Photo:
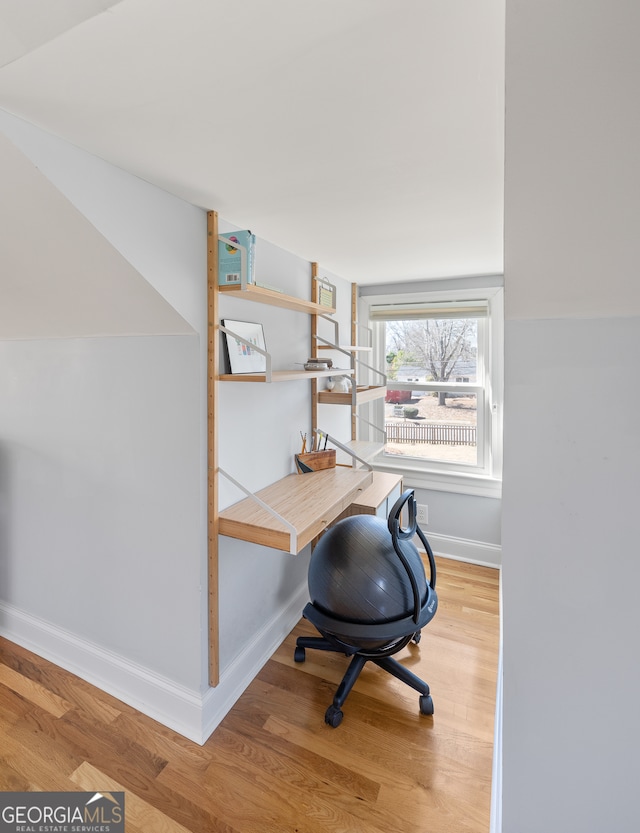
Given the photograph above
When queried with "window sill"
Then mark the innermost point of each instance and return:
(440, 481)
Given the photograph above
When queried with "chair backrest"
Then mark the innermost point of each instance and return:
(400, 533)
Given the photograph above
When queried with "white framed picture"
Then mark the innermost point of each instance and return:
(245, 346)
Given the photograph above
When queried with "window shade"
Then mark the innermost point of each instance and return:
(445, 309)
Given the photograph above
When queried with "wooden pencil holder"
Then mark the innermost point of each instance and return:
(315, 461)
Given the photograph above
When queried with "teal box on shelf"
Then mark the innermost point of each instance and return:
(230, 249)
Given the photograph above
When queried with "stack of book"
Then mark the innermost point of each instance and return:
(233, 249)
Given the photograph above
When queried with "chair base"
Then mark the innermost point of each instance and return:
(359, 659)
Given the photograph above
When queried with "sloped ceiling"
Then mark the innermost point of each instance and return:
(24, 26)
(59, 276)
(366, 135)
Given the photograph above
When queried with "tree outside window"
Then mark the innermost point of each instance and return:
(438, 350)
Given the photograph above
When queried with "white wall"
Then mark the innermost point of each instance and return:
(462, 526)
(103, 534)
(571, 726)
(95, 539)
(103, 479)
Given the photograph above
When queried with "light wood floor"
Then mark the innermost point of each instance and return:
(273, 765)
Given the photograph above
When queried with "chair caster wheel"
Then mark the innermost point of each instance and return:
(299, 655)
(416, 637)
(426, 704)
(333, 716)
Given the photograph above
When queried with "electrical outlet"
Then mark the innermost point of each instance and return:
(423, 513)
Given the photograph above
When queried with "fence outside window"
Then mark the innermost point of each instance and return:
(433, 433)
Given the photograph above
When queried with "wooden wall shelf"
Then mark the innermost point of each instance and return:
(365, 449)
(345, 348)
(310, 502)
(367, 394)
(262, 295)
(281, 375)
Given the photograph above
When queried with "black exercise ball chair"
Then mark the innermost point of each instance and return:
(370, 597)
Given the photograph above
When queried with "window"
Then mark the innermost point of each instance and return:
(443, 356)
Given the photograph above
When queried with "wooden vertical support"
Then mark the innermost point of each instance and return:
(213, 369)
(314, 350)
(354, 342)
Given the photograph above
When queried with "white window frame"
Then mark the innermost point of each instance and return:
(485, 478)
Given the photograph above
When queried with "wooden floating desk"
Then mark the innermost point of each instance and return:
(310, 502)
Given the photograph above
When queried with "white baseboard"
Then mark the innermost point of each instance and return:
(190, 713)
(168, 702)
(463, 549)
(237, 676)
